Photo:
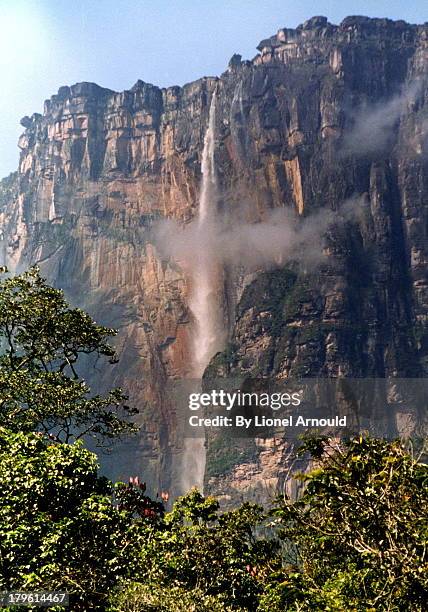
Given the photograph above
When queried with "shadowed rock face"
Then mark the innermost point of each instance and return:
(324, 116)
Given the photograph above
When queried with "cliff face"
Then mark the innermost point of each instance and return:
(323, 117)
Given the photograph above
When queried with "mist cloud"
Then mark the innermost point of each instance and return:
(281, 238)
(373, 124)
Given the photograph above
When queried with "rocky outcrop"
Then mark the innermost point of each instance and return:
(325, 117)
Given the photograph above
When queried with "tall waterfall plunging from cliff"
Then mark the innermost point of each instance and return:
(208, 197)
(204, 301)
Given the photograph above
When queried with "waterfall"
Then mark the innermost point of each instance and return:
(204, 303)
(208, 197)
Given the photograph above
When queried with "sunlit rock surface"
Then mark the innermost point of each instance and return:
(299, 126)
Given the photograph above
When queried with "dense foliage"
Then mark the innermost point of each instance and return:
(358, 534)
(58, 526)
(355, 539)
(216, 555)
(42, 344)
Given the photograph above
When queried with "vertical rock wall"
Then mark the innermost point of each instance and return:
(98, 168)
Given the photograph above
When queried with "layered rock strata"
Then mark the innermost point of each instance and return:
(325, 116)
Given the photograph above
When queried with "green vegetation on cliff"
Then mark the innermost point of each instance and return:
(355, 540)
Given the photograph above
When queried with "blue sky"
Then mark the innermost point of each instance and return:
(48, 43)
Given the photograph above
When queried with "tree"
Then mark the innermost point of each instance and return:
(355, 540)
(202, 558)
(357, 537)
(42, 343)
(59, 527)
(62, 527)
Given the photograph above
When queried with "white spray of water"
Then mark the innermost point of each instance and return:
(203, 300)
(207, 203)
